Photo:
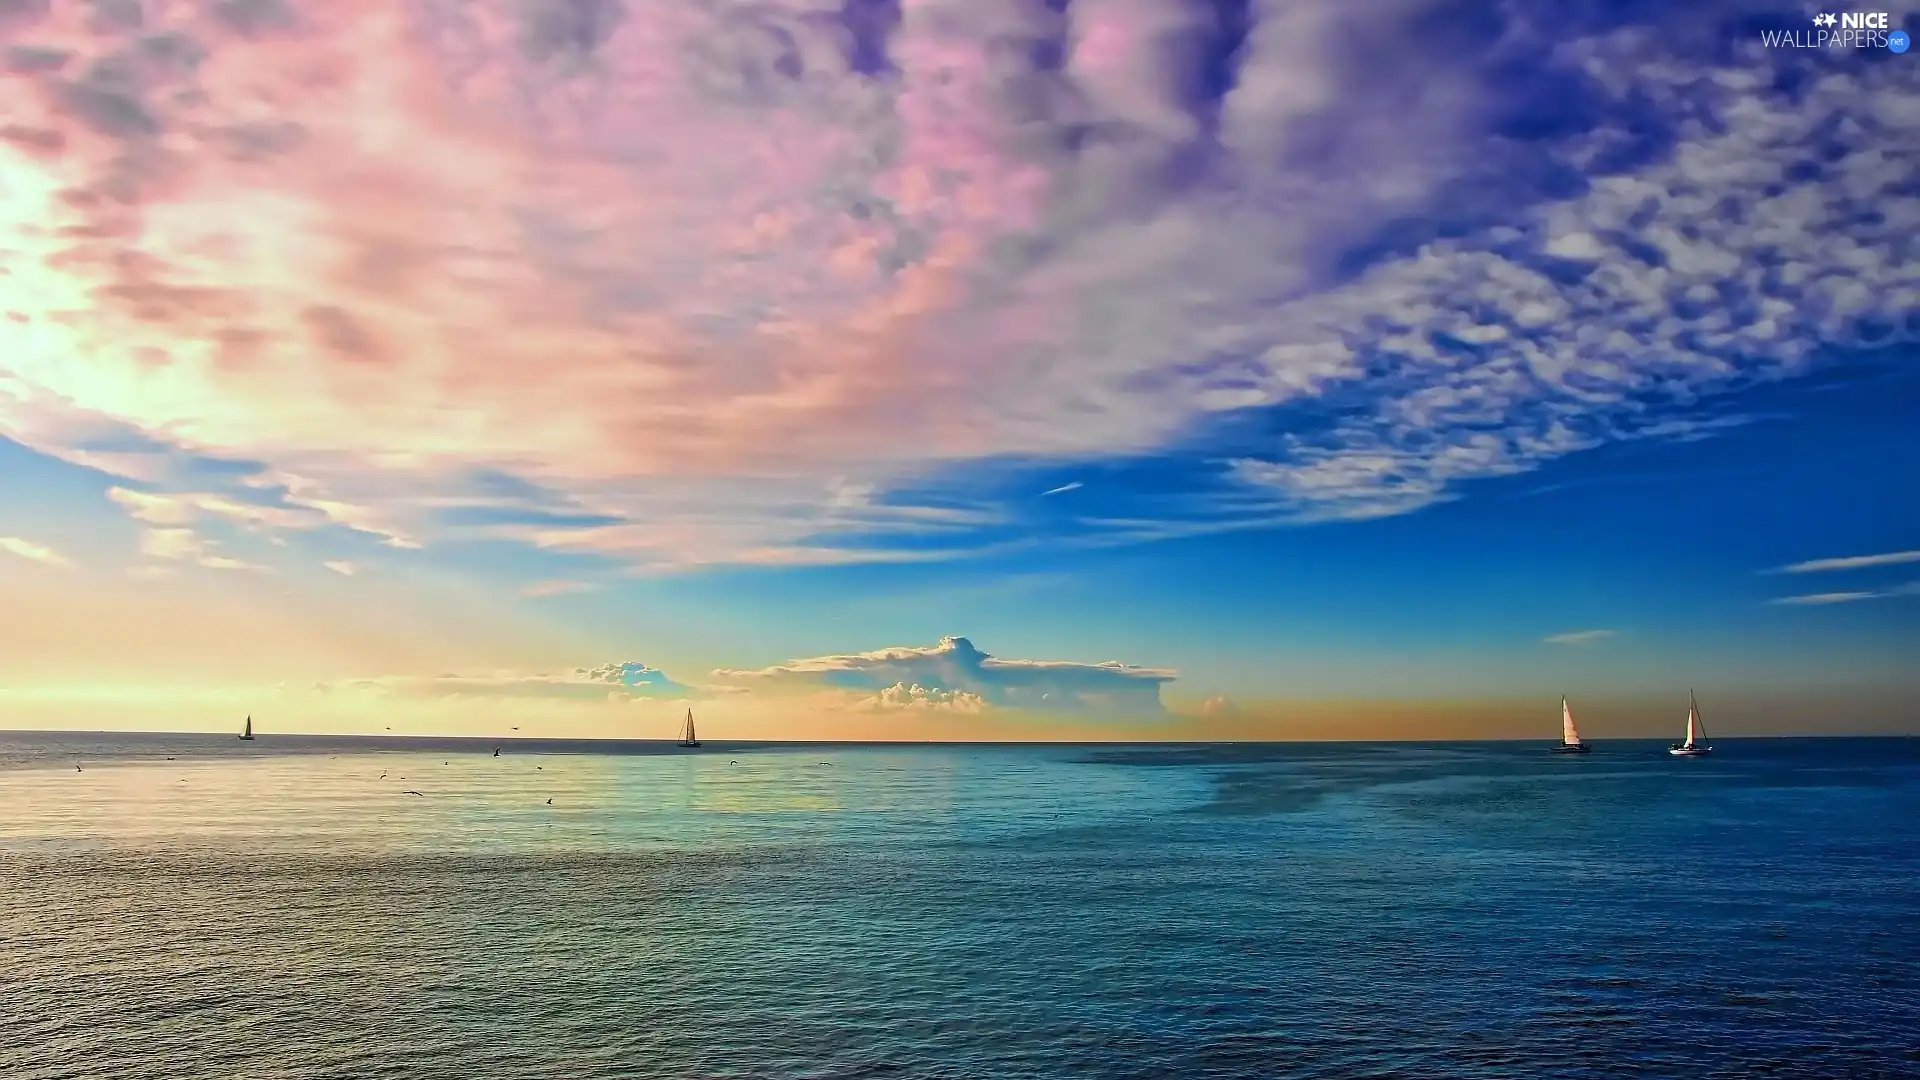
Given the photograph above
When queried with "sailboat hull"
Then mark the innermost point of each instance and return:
(1689, 751)
(1571, 748)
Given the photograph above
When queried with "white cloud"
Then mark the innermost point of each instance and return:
(1063, 489)
(171, 543)
(1578, 637)
(222, 562)
(341, 567)
(32, 552)
(1828, 598)
(1852, 562)
(956, 666)
(302, 509)
(184, 545)
(911, 696)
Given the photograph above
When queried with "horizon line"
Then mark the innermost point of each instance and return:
(674, 742)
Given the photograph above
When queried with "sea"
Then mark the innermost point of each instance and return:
(197, 906)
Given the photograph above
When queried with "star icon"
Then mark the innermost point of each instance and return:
(1824, 19)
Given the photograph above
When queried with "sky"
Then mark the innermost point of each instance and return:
(957, 369)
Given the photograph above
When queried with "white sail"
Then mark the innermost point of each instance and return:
(1696, 731)
(1569, 734)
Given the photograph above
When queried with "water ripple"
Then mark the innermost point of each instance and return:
(1461, 912)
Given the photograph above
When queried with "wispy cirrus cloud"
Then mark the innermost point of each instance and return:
(1851, 562)
(555, 587)
(32, 552)
(1828, 598)
(880, 249)
(625, 681)
(1579, 637)
(177, 544)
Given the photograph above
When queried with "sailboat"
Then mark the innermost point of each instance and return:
(1569, 735)
(687, 737)
(247, 732)
(1696, 744)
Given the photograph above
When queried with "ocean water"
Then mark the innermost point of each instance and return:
(194, 906)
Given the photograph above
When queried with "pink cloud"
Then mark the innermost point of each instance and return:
(377, 246)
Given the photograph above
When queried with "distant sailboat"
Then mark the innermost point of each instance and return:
(1569, 735)
(1696, 744)
(687, 737)
(247, 732)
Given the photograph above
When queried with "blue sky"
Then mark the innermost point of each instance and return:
(1167, 353)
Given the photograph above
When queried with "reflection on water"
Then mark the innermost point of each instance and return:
(459, 797)
(283, 909)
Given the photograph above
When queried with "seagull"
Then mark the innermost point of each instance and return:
(496, 751)
(422, 794)
(549, 802)
(77, 768)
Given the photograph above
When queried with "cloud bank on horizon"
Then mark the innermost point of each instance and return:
(950, 676)
(955, 674)
(763, 283)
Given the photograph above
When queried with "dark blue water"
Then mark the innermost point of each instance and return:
(281, 909)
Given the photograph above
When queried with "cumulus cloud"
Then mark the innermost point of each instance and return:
(916, 697)
(1851, 562)
(32, 552)
(706, 274)
(1578, 637)
(956, 671)
(341, 567)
